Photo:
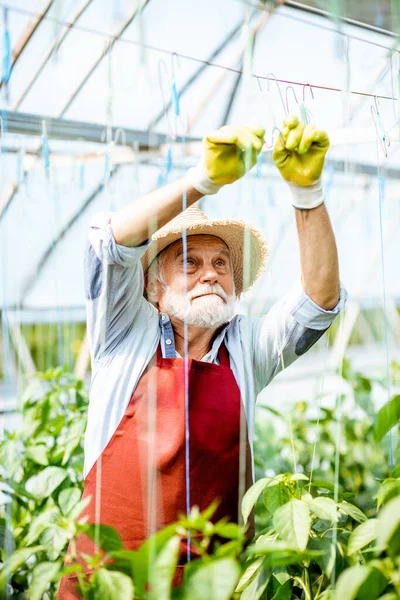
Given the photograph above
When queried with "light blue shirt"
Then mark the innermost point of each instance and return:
(124, 331)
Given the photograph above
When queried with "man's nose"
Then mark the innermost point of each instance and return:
(209, 275)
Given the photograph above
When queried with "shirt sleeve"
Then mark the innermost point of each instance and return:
(290, 328)
(114, 288)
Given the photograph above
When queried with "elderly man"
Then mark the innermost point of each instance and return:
(175, 373)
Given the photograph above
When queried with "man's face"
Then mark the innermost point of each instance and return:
(205, 296)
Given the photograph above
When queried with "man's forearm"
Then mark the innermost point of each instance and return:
(318, 256)
(132, 224)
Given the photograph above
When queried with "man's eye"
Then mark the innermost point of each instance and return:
(220, 263)
(190, 261)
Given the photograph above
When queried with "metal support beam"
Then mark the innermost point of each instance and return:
(65, 129)
(28, 124)
(237, 53)
(50, 249)
(231, 35)
(26, 36)
(232, 96)
(141, 5)
(53, 49)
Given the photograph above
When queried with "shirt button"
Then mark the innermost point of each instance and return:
(163, 317)
(168, 342)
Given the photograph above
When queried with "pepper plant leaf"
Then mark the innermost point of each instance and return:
(293, 523)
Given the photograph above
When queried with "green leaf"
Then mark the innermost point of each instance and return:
(48, 480)
(327, 558)
(248, 574)
(359, 582)
(257, 586)
(122, 561)
(387, 418)
(396, 471)
(112, 585)
(299, 477)
(163, 569)
(324, 508)
(42, 575)
(389, 527)
(280, 554)
(107, 538)
(143, 559)
(45, 519)
(362, 535)
(216, 580)
(251, 496)
(284, 592)
(16, 560)
(68, 498)
(39, 454)
(54, 539)
(353, 512)
(74, 436)
(230, 531)
(325, 485)
(276, 494)
(293, 523)
(388, 489)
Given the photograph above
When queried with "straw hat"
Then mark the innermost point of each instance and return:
(247, 247)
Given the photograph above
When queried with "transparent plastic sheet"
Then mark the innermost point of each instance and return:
(383, 286)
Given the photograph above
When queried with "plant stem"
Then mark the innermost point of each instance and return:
(303, 587)
(308, 582)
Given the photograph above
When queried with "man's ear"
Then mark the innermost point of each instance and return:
(152, 286)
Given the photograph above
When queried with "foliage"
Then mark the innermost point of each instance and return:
(313, 535)
(41, 483)
(314, 538)
(307, 438)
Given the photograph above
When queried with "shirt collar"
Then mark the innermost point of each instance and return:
(168, 340)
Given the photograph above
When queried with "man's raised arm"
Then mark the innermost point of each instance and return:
(228, 154)
(299, 154)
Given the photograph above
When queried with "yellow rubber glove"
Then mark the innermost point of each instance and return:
(228, 153)
(299, 152)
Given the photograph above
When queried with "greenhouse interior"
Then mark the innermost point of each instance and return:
(196, 132)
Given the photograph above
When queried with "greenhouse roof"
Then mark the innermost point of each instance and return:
(101, 81)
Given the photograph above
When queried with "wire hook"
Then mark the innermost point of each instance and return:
(308, 87)
(273, 76)
(290, 87)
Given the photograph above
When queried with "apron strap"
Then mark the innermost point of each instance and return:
(223, 356)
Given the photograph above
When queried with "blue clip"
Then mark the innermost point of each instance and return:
(168, 162)
(6, 58)
(107, 167)
(45, 148)
(160, 180)
(175, 99)
(5, 77)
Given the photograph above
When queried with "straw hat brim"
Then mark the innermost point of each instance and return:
(248, 250)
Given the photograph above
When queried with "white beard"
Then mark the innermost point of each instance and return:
(209, 312)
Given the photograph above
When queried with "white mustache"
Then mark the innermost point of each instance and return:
(206, 290)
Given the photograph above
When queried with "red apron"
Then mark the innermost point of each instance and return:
(141, 471)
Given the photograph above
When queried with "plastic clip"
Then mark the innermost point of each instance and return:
(383, 135)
